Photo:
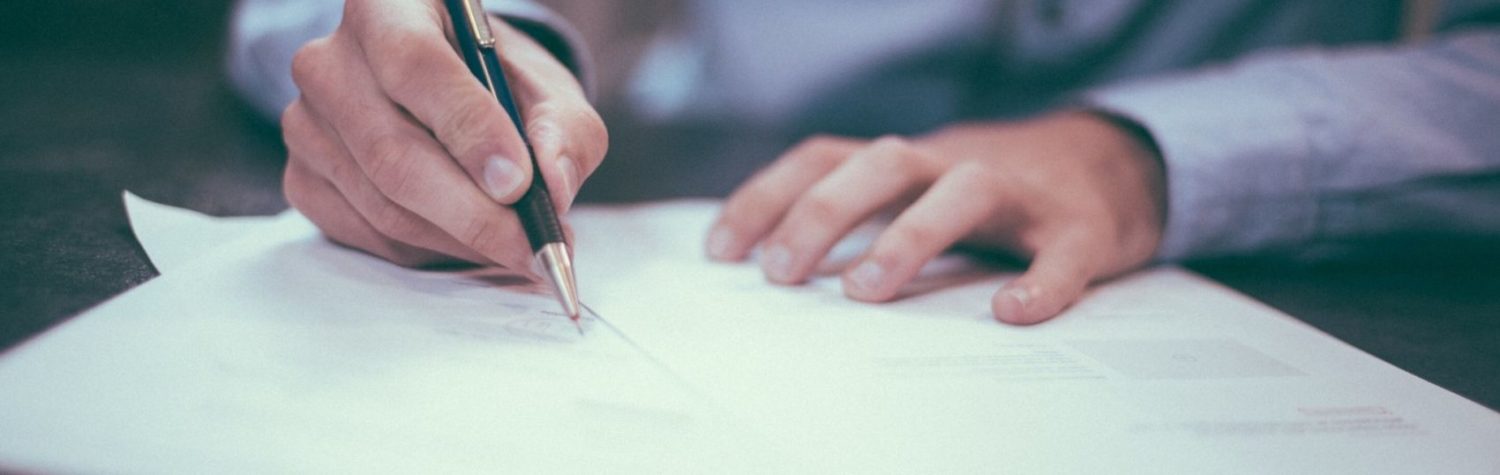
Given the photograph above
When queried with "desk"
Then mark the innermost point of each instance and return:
(150, 113)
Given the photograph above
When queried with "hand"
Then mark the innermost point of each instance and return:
(396, 149)
(1074, 193)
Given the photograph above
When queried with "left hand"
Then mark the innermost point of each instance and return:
(1074, 193)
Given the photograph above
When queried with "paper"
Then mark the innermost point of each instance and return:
(1161, 371)
(282, 352)
(1158, 372)
(172, 237)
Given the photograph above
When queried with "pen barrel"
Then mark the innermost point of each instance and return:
(535, 209)
(537, 214)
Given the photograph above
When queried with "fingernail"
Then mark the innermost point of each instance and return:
(777, 262)
(720, 243)
(569, 171)
(1013, 305)
(546, 137)
(501, 177)
(867, 277)
(1021, 294)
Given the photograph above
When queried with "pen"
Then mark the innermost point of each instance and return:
(476, 43)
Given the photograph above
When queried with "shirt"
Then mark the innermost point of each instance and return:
(1297, 127)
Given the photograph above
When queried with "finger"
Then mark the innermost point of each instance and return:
(312, 144)
(407, 51)
(962, 199)
(756, 207)
(568, 137)
(322, 204)
(408, 166)
(867, 181)
(1055, 279)
(570, 143)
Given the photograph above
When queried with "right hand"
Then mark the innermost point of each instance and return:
(396, 149)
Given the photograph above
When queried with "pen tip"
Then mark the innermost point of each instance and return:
(554, 260)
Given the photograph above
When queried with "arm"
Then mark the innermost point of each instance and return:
(1314, 151)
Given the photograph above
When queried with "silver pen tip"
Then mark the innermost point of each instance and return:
(554, 260)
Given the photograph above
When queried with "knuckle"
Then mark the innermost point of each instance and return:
(894, 143)
(410, 51)
(909, 237)
(300, 135)
(308, 61)
(979, 169)
(464, 122)
(344, 172)
(483, 236)
(542, 111)
(585, 129)
(388, 164)
(595, 133)
(819, 208)
(881, 160)
(352, 8)
(975, 178)
(295, 189)
(734, 212)
(290, 116)
(748, 202)
(820, 151)
(816, 143)
(398, 224)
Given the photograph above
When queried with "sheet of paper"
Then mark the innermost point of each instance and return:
(1158, 372)
(1162, 371)
(173, 236)
(281, 352)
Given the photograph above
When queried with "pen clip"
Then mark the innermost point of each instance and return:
(479, 23)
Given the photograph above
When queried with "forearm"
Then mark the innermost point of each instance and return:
(1295, 150)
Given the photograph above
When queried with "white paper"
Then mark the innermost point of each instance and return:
(1161, 371)
(282, 352)
(172, 236)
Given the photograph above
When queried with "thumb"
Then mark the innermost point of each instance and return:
(1056, 278)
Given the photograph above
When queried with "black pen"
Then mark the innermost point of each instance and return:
(476, 42)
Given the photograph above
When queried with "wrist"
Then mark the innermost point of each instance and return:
(1139, 169)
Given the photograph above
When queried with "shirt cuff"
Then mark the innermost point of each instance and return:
(1239, 149)
(552, 32)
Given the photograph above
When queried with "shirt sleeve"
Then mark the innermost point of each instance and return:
(1311, 152)
(265, 34)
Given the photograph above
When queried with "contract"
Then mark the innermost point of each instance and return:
(1161, 371)
(280, 351)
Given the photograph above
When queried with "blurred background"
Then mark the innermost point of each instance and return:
(100, 96)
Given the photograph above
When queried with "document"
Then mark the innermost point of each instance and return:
(282, 352)
(173, 237)
(279, 351)
(1158, 372)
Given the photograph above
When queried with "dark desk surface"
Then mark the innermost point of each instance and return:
(149, 112)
